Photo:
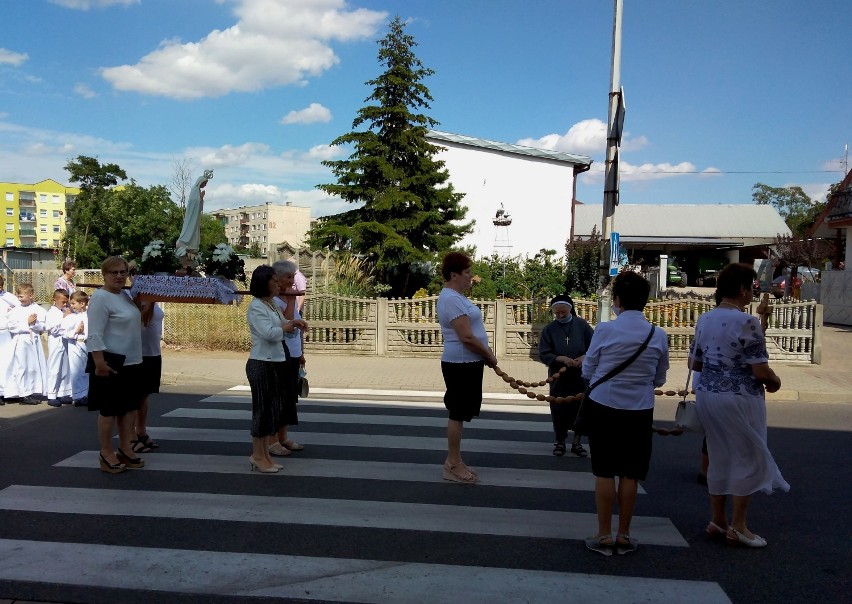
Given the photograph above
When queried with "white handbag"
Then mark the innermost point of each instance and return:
(686, 416)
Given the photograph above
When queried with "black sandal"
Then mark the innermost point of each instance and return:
(579, 451)
(559, 449)
(139, 446)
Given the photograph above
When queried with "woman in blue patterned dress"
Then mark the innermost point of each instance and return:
(729, 350)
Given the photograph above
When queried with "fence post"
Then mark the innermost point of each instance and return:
(816, 345)
(381, 326)
(500, 328)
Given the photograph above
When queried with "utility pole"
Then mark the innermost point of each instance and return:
(611, 181)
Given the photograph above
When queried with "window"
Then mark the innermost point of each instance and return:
(10, 196)
(264, 215)
(10, 242)
(43, 213)
(10, 212)
(43, 228)
(42, 197)
(43, 243)
(55, 228)
(10, 226)
(56, 243)
(55, 199)
(264, 238)
(56, 213)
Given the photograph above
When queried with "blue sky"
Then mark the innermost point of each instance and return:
(720, 94)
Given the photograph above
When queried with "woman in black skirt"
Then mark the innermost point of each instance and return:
(266, 367)
(564, 343)
(620, 410)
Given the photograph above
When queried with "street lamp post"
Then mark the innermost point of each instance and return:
(611, 179)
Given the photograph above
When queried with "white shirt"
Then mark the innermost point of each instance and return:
(152, 334)
(115, 325)
(293, 341)
(613, 343)
(452, 305)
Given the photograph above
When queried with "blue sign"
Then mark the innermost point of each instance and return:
(613, 254)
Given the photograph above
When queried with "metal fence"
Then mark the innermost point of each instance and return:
(409, 327)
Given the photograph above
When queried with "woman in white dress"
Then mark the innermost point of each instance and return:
(729, 350)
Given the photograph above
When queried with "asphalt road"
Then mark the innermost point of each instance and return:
(196, 526)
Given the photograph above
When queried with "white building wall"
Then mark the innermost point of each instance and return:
(535, 192)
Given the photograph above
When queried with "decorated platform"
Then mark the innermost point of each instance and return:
(197, 290)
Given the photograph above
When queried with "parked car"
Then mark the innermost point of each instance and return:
(779, 283)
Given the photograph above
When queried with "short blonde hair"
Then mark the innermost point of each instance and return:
(112, 263)
(24, 288)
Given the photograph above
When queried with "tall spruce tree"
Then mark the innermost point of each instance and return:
(409, 210)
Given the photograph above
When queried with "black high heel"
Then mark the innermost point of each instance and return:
(133, 463)
(111, 468)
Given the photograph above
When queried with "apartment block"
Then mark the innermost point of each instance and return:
(35, 214)
(267, 225)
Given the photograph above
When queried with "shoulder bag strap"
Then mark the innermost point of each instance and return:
(614, 372)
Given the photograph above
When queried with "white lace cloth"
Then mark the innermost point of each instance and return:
(185, 287)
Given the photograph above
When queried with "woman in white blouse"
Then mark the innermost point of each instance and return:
(114, 386)
(266, 368)
(621, 409)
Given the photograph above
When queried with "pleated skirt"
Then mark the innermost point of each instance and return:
(267, 380)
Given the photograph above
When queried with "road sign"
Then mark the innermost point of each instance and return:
(613, 254)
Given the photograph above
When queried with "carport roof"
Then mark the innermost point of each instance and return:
(695, 224)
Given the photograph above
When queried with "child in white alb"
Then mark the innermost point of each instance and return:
(8, 301)
(27, 369)
(75, 328)
(58, 378)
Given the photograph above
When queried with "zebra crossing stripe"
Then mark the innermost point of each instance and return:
(531, 408)
(329, 512)
(333, 439)
(379, 420)
(325, 579)
(361, 470)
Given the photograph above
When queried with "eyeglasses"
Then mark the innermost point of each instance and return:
(117, 273)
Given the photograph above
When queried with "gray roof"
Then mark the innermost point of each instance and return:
(470, 141)
(748, 224)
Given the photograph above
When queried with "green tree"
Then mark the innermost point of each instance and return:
(88, 219)
(581, 264)
(409, 210)
(254, 250)
(122, 220)
(797, 209)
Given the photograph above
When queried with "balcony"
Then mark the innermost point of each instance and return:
(28, 233)
(26, 217)
(26, 199)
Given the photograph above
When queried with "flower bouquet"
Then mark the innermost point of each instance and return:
(223, 261)
(158, 258)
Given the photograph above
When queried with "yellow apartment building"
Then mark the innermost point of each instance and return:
(35, 214)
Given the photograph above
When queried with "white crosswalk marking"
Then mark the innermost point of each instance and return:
(397, 439)
(364, 470)
(330, 579)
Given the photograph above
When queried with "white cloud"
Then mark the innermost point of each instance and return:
(272, 44)
(90, 4)
(84, 91)
(325, 152)
(311, 114)
(228, 195)
(648, 171)
(587, 137)
(15, 59)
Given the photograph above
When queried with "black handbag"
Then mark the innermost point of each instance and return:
(584, 423)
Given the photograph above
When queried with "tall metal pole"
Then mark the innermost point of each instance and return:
(613, 140)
